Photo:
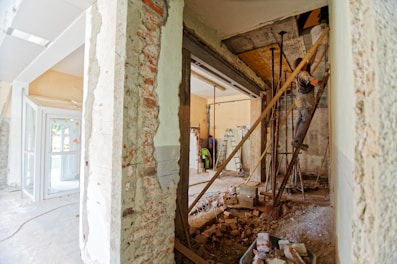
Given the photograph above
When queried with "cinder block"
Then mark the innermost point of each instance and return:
(245, 200)
(275, 261)
(251, 191)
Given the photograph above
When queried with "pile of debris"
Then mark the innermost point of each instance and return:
(229, 233)
(272, 250)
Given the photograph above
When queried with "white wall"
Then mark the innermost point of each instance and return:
(342, 133)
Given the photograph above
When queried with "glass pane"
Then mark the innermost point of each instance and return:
(30, 129)
(65, 135)
(64, 173)
(28, 173)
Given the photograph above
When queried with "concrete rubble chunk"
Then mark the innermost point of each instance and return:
(231, 221)
(233, 226)
(256, 212)
(223, 228)
(235, 233)
(300, 248)
(275, 261)
(218, 233)
(282, 243)
(246, 201)
(201, 239)
(251, 191)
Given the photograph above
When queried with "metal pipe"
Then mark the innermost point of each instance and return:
(213, 136)
(281, 33)
(273, 130)
(286, 125)
(264, 113)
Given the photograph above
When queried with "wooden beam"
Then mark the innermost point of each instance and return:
(210, 57)
(261, 117)
(188, 253)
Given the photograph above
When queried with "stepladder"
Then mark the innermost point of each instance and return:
(228, 144)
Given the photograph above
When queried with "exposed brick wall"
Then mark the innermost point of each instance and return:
(148, 210)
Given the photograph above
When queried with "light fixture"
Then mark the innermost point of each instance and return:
(27, 37)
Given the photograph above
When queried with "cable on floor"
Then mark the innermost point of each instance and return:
(37, 216)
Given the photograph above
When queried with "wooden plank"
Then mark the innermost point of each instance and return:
(261, 117)
(188, 253)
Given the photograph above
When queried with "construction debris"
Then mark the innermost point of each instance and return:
(231, 233)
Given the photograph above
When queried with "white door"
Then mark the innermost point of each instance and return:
(62, 159)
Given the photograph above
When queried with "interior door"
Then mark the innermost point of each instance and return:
(62, 174)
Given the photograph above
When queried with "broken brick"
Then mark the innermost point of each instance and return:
(201, 239)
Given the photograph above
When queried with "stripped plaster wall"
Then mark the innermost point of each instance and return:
(374, 28)
(363, 125)
(5, 98)
(4, 135)
(127, 216)
(166, 139)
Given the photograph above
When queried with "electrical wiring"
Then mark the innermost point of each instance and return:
(37, 216)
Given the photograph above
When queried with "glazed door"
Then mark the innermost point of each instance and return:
(62, 162)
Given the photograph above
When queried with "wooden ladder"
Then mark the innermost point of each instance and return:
(228, 137)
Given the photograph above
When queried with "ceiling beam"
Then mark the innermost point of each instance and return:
(70, 40)
(203, 53)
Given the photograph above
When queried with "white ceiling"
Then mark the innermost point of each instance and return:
(62, 23)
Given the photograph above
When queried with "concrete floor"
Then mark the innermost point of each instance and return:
(42, 232)
(47, 231)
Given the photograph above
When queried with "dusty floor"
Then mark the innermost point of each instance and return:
(37, 232)
(307, 220)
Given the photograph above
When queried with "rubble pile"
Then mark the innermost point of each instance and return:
(226, 240)
(271, 250)
(231, 233)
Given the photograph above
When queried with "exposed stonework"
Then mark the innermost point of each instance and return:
(386, 84)
(374, 226)
(363, 66)
(4, 133)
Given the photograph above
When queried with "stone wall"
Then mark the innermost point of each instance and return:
(374, 55)
(4, 134)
